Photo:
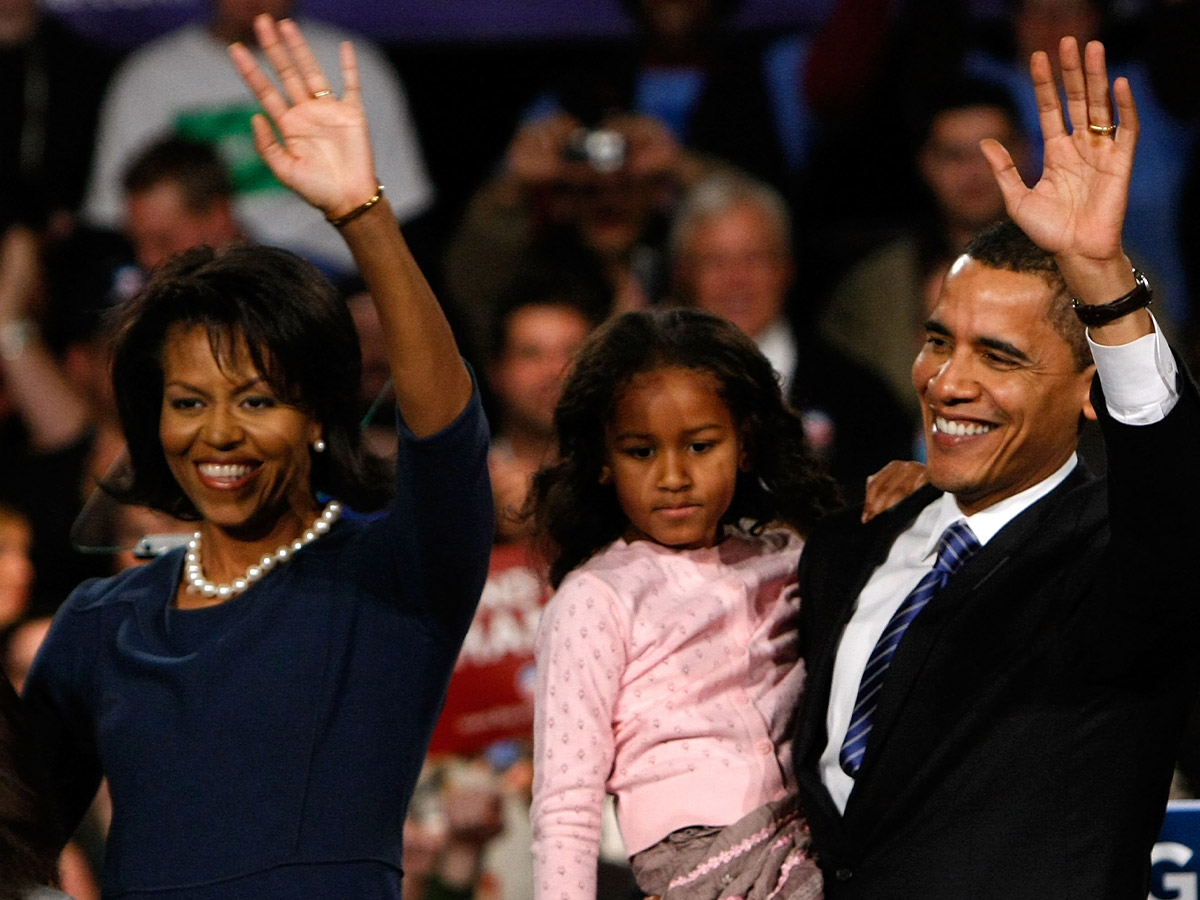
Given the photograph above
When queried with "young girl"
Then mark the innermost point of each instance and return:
(666, 662)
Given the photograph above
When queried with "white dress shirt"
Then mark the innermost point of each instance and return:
(1139, 381)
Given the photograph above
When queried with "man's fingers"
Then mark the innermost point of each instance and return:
(1127, 134)
(1004, 170)
(1076, 86)
(1045, 91)
(1099, 105)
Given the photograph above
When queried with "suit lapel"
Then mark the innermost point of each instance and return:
(855, 554)
(855, 557)
(981, 581)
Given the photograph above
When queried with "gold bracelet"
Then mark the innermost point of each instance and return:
(339, 221)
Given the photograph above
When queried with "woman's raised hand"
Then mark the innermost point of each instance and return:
(319, 146)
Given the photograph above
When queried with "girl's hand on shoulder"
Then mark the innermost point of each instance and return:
(319, 146)
(891, 484)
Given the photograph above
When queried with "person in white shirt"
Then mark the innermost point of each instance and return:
(182, 84)
(999, 667)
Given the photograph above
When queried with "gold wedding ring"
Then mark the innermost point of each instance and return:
(317, 95)
(1102, 130)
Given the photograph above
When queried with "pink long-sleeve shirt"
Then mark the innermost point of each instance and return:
(669, 679)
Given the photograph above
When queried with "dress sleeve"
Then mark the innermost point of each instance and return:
(581, 655)
(59, 715)
(431, 549)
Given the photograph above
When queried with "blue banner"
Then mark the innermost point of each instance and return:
(1175, 860)
(126, 23)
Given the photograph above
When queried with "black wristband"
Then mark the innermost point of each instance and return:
(1102, 313)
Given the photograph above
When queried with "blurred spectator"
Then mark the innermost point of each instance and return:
(75, 874)
(178, 195)
(469, 832)
(731, 255)
(16, 567)
(58, 423)
(876, 313)
(377, 396)
(870, 72)
(52, 81)
(537, 331)
(28, 834)
(717, 91)
(457, 810)
(569, 198)
(1167, 118)
(22, 646)
(183, 83)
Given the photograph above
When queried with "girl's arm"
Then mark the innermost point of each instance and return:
(319, 148)
(580, 660)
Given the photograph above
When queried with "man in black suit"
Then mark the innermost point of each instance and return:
(993, 714)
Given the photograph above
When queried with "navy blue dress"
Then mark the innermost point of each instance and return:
(267, 747)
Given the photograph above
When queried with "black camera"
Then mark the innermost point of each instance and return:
(603, 149)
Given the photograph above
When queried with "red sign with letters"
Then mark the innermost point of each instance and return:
(491, 692)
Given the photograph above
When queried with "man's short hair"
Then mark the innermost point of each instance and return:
(194, 166)
(1005, 246)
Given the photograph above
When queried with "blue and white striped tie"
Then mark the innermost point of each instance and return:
(956, 544)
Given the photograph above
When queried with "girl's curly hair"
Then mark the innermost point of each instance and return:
(575, 515)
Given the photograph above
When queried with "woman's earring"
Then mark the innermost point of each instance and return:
(318, 446)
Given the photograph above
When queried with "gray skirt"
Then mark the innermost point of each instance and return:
(762, 856)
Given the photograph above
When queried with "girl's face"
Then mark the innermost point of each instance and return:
(673, 453)
(239, 452)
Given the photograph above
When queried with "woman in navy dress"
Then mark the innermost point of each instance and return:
(261, 700)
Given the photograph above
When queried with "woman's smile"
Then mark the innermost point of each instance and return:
(225, 476)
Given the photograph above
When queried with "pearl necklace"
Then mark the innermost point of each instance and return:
(197, 583)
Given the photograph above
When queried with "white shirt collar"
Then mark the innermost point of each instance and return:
(986, 523)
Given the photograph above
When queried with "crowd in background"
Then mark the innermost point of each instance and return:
(812, 187)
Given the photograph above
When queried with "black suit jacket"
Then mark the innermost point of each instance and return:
(1024, 738)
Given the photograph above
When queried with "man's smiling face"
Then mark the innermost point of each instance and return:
(1000, 388)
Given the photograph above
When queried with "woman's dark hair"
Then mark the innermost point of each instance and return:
(29, 835)
(298, 334)
(576, 515)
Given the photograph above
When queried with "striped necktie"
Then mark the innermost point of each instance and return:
(956, 544)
